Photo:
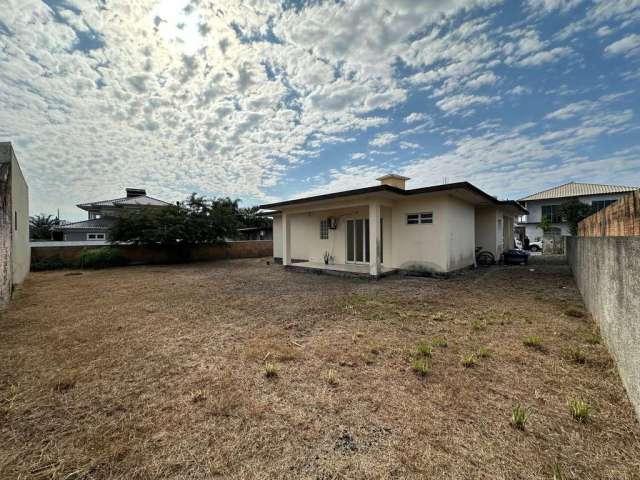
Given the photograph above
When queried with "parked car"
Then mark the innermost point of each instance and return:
(515, 257)
(536, 246)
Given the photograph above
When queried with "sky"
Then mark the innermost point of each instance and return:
(264, 100)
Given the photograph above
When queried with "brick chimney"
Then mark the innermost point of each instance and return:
(393, 180)
(135, 192)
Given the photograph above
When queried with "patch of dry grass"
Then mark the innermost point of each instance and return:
(162, 375)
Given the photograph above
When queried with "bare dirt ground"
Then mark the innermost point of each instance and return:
(159, 372)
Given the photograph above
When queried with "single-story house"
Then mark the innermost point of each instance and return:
(385, 228)
(15, 254)
(256, 233)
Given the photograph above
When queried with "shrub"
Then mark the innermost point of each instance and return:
(519, 416)
(271, 370)
(102, 257)
(579, 409)
(484, 352)
(421, 367)
(469, 361)
(51, 263)
(424, 349)
(440, 342)
(533, 341)
(576, 354)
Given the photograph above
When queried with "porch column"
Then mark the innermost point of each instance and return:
(374, 239)
(286, 239)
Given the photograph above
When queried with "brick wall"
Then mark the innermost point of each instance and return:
(145, 255)
(620, 219)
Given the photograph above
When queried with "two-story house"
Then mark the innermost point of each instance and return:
(547, 204)
(102, 214)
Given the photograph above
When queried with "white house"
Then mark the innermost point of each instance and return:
(384, 228)
(15, 255)
(547, 203)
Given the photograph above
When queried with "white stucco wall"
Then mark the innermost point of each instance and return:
(445, 245)
(21, 253)
(460, 218)
(423, 246)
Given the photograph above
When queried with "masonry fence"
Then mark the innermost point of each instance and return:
(605, 262)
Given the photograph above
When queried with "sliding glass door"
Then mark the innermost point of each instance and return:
(358, 240)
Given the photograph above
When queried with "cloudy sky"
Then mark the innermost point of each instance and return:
(263, 100)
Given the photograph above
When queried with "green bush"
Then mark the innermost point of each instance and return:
(102, 257)
(51, 263)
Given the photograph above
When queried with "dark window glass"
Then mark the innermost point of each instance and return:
(359, 237)
(350, 241)
(552, 212)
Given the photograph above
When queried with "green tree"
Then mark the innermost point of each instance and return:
(196, 221)
(545, 224)
(249, 218)
(572, 211)
(41, 226)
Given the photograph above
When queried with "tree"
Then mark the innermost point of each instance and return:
(250, 218)
(197, 221)
(545, 224)
(572, 211)
(41, 226)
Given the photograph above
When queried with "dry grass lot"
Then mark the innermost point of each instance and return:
(159, 372)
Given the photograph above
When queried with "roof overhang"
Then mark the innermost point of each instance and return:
(463, 190)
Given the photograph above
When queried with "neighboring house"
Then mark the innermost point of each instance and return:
(256, 233)
(102, 215)
(379, 229)
(15, 255)
(547, 204)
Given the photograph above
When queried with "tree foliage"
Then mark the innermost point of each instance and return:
(41, 226)
(196, 221)
(572, 211)
(249, 218)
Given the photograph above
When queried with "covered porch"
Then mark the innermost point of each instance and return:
(352, 236)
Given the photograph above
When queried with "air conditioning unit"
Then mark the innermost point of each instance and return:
(333, 223)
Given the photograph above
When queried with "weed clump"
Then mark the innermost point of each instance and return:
(519, 416)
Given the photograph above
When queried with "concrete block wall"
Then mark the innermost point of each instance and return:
(5, 233)
(607, 273)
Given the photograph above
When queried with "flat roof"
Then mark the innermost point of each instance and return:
(400, 191)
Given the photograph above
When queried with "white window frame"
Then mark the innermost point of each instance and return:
(420, 218)
(98, 236)
(324, 229)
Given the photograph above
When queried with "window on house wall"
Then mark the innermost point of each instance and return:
(15, 219)
(324, 229)
(95, 236)
(552, 212)
(418, 218)
(600, 204)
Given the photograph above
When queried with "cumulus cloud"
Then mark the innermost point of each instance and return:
(382, 139)
(176, 96)
(456, 103)
(415, 117)
(629, 45)
(546, 56)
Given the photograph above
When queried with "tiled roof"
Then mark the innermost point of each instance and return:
(93, 224)
(574, 189)
(125, 201)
